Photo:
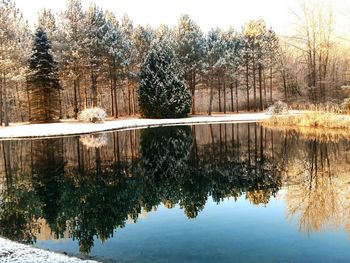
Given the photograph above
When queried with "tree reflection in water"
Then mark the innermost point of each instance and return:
(84, 193)
(318, 184)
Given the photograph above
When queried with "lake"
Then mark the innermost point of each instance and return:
(205, 193)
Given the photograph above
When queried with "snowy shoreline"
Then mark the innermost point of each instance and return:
(17, 253)
(69, 127)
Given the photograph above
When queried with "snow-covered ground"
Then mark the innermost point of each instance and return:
(75, 127)
(18, 253)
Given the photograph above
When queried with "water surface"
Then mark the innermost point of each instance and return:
(207, 193)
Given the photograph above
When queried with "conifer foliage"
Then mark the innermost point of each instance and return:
(43, 81)
(162, 91)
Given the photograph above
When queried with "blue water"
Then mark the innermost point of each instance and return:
(226, 232)
(238, 193)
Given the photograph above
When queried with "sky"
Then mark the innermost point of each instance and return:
(208, 14)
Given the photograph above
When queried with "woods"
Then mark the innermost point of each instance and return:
(98, 60)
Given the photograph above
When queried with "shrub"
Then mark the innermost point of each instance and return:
(94, 115)
(163, 92)
(278, 107)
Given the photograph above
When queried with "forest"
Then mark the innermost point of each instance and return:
(97, 59)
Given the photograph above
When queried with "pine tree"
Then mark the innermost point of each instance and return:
(190, 48)
(73, 54)
(115, 47)
(162, 91)
(43, 81)
(96, 29)
(253, 34)
(272, 46)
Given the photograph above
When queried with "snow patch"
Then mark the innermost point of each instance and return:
(66, 128)
(18, 253)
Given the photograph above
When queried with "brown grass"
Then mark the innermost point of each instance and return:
(311, 119)
(323, 125)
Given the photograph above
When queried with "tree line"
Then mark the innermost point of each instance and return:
(99, 57)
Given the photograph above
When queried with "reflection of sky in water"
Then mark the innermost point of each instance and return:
(228, 232)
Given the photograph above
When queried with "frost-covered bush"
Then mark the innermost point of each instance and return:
(162, 91)
(94, 115)
(94, 140)
(345, 106)
(278, 107)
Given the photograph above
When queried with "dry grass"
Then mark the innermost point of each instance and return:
(312, 119)
(332, 107)
(323, 125)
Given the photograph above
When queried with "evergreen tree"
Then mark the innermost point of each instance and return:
(216, 63)
(141, 41)
(96, 30)
(73, 54)
(162, 91)
(130, 63)
(272, 47)
(190, 48)
(115, 48)
(43, 81)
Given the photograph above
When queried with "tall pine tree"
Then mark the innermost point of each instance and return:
(43, 81)
(162, 91)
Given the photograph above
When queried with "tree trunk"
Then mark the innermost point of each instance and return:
(6, 119)
(17, 101)
(129, 99)
(193, 89)
(284, 86)
(1, 100)
(224, 90)
(75, 99)
(254, 80)
(112, 96)
(211, 97)
(60, 103)
(115, 98)
(260, 88)
(271, 84)
(219, 93)
(133, 100)
(236, 84)
(264, 83)
(231, 92)
(29, 105)
(94, 89)
(114, 90)
(247, 83)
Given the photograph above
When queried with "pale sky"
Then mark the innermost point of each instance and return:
(208, 14)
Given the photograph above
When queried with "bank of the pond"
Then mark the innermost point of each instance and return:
(70, 127)
(312, 119)
(17, 253)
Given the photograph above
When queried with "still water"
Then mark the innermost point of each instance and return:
(207, 193)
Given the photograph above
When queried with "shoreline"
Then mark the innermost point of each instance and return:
(73, 127)
(15, 252)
